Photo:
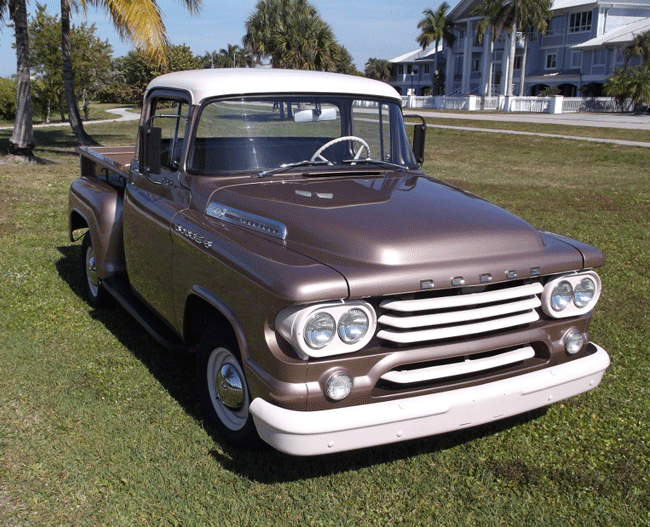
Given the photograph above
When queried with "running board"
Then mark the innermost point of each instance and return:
(120, 289)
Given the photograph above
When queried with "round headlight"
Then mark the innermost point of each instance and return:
(319, 330)
(353, 326)
(338, 386)
(561, 295)
(584, 292)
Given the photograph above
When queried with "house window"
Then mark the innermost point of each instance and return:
(600, 57)
(476, 63)
(556, 25)
(576, 59)
(517, 63)
(400, 70)
(458, 64)
(427, 69)
(580, 22)
(551, 60)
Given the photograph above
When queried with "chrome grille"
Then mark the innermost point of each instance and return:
(409, 321)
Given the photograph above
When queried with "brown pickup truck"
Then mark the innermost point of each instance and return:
(277, 223)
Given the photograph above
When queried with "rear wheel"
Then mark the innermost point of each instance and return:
(95, 293)
(223, 390)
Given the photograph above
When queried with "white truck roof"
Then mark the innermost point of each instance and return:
(202, 84)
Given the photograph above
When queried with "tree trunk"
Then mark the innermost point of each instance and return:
(73, 111)
(490, 68)
(61, 109)
(522, 75)
(513, 43)
(48, 110)
(434, 88)
(22, 139)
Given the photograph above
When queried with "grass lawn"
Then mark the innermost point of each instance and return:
(100, 426)
(543, 128)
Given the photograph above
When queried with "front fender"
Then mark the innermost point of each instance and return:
(94, 204)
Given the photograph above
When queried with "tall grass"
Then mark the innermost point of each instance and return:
(100, 426)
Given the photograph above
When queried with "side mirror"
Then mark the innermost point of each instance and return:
(150, 149)
(419, 137)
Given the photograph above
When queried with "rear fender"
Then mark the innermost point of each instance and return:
(96, 205)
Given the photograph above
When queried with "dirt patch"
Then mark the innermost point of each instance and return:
(10, 159)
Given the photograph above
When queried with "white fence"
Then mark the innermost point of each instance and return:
(556, 104)
(594, 104)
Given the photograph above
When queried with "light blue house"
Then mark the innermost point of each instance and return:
(413, 71)
(584, 44)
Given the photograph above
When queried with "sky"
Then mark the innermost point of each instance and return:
(382, 29)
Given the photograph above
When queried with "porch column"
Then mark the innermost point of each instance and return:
(449, 70)
(505, 65)
(485, 66)
(467, 58)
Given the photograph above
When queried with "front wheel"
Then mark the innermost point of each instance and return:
(223, 390)
(95, 293)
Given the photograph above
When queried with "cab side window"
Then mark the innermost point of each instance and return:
(170, 115)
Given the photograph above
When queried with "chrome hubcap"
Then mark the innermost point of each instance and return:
(92, 270)
(229, 387)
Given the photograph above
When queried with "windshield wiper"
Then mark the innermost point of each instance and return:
(376, 162)
(288, 166)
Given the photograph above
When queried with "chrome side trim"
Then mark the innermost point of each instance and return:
(247, 220)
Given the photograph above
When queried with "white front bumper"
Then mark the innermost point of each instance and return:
(326, 431)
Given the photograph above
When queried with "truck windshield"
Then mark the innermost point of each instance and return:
(264, 133)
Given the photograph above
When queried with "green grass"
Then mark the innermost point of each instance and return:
(100, 426)
(545, 128)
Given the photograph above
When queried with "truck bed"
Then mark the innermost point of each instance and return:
(110, 163)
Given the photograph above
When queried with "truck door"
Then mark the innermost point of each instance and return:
(152, 199)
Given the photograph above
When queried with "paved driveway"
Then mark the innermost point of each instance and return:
(602, 120)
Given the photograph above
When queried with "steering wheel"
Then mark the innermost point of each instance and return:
(357, 155)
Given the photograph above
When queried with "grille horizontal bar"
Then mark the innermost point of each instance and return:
(427, 319)
(466, 367)
(488, 297)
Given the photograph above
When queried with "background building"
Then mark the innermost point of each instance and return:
(584, 44)
(415, 71)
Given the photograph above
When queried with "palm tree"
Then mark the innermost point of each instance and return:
(639, 47)
(293, 35)
(378, 69)
(512, 16)
(234, 56)
(435, 27)
(269, 15)
(489, 11)
(305, 43)
(137, 20)
(22, 138)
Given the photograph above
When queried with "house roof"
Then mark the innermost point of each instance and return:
(417, 55)
(464, 8)
(618, 37)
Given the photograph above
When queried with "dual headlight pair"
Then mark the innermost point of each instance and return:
(336, 328)
(328, 329)
(571, 295)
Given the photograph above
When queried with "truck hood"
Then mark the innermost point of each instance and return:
(395, 233)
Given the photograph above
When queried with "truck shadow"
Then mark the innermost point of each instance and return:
(175, 372)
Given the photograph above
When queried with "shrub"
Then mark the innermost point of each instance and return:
(7, 99)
